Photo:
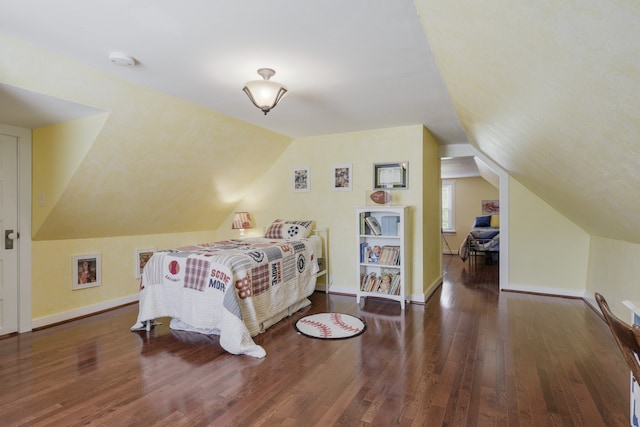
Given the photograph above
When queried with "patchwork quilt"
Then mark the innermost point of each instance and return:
(234, 288)
(480, 239)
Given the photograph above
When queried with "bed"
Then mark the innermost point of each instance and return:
(234, 288)
(484, 237)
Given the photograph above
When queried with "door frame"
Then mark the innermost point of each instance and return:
(24, 223)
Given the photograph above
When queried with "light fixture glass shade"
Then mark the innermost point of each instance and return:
(265, 94)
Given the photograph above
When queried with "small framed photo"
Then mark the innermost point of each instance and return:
(342, 177)
(86, 271)
(301, 179)
(142, 256)
(391, 175)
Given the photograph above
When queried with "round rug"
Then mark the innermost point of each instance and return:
(330, 326)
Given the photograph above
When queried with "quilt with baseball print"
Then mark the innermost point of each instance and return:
(234, 288)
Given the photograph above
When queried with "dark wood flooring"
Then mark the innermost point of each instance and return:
(471, 356)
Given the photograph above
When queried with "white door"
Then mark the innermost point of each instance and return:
(8, 228)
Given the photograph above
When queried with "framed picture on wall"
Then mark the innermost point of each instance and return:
(342, 177)
(142, 256)
(391, 175)
(87, 271)
(490, 207)
(301, 179)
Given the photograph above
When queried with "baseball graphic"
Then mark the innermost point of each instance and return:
(330, 326)
(174, 267)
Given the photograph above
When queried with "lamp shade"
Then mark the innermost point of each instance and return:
(265, 94)
(241, 221)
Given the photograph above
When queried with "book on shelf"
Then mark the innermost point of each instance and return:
(390, 225)
(364, 226)
(389, 255)
(374, 225)
(387, 282)
(369, 282)
(370, 255)
(390, 281)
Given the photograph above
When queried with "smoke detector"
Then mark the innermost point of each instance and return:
(122, 59)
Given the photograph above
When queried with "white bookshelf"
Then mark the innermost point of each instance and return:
(391, 260)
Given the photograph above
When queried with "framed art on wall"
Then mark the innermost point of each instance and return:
(491, 207)
(342, 177)
(142, 256)
(301, 179)
(86, 271)
(391, 175)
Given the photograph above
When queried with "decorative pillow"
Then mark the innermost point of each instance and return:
(495, 221)
(483, 221)
(280, 229)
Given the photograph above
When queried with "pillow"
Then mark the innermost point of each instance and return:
(280, 229)
(483, 221)
(495, 221)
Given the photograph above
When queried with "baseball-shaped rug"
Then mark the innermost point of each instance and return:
(330, 326)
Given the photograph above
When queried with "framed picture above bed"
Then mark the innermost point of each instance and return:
(342, 177)
(142, 256)
(301, 179)
(490, 207)
(86, 271)
(391, 176)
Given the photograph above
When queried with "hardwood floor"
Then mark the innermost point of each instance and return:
(471, 356)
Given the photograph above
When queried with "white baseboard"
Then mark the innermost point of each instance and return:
(419, 298)
(342, 290)
(592, 303)
(82, 311)
(544, 291)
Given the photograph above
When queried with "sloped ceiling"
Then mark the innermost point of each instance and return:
(159, 164)
(182, 141)
(29, 110)
(458, 167)
(546, 89)
(349, 65)
(549, 91)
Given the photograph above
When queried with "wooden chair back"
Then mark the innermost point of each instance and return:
(626, 336)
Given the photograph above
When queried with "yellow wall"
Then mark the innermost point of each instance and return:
(269, 198)
(469, 194)
(547, 252)
(52, 293)
(58, 150)
(430, 256)
(614, 271)
(272, 197)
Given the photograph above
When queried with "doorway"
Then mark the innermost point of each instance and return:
(462, 158)
(15, 249)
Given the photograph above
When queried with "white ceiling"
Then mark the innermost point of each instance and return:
(349, 65)
(458, 167)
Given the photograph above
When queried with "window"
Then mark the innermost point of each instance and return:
(448, 214)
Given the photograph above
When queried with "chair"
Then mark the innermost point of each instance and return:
(626, 336)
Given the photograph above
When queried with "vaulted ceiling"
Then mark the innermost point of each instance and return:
(546, 89)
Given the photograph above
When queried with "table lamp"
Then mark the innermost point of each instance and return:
(241, 221)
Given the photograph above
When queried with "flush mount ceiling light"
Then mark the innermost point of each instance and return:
(265, 94)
